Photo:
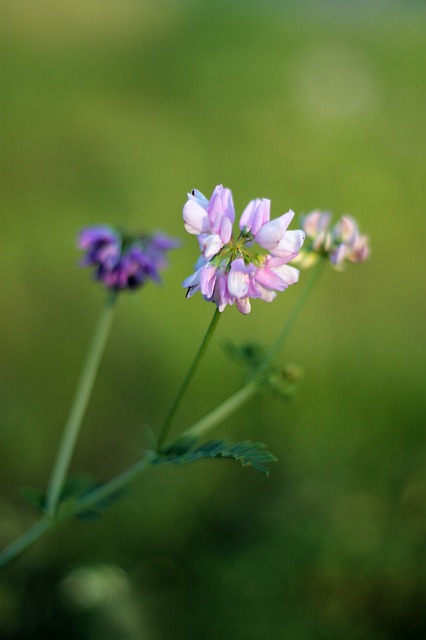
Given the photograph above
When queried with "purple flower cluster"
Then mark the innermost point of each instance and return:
(340, 243)
(232, 269)
(124, 261)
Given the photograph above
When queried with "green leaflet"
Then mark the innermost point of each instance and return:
(281, 381)
(35, 497)
(75, 487)
(249, 355)
(247, 453)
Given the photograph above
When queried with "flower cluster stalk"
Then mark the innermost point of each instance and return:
(173, 409)
(274, 349)
(79, 406)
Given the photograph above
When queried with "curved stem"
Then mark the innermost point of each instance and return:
(169, 418)
(78, 407)
(291, 319)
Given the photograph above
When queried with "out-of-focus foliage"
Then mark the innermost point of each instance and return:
(111, 112)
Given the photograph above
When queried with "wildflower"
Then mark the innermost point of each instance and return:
(341, 243)
(124, 261)
(229, 269)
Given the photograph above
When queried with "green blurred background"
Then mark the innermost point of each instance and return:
(110, 112)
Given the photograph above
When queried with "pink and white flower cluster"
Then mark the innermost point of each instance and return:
(231, 269)
(341, 243)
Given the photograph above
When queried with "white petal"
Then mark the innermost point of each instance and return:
(210, 245)
(269, 235)
(195, 218)
(243, 305)
(288, 274)
(267, 295)
(291, 242)
(237, 283)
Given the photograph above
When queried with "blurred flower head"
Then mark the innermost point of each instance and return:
(124, 261)
(340, 243)
(232, 269)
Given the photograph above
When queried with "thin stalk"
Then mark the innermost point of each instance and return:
(108, 488)
(169, 418)
(234, 402)
(290, 320)
(23, 543)
(78, 407)
(220, 413)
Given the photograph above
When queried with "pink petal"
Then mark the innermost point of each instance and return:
(268, 278)
(270, 234)
(222, 296)
(255, 215)
(225, 230)
(208, 280)
(346, 229)
(221, 204)
(315, 223)
(243, 305)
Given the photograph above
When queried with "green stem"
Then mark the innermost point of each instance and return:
(45, 524)
(108, 488)
(169, 418)
(291, 319)
(220, 413)
(25, 541)
(78, 407)
(199, 428)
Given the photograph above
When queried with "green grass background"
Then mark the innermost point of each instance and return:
(111, 112)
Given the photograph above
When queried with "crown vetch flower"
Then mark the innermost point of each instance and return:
(341, 243)
(124, 261)
(229, 269)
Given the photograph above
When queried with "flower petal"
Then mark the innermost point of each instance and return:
(209, 244)
(315, 223)
(208, 280)
(255, 215)
(290, 244)
(220, 204)
(243, 305)
(197, 196)
(238, 278)
(195, 218)
(271, 233)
